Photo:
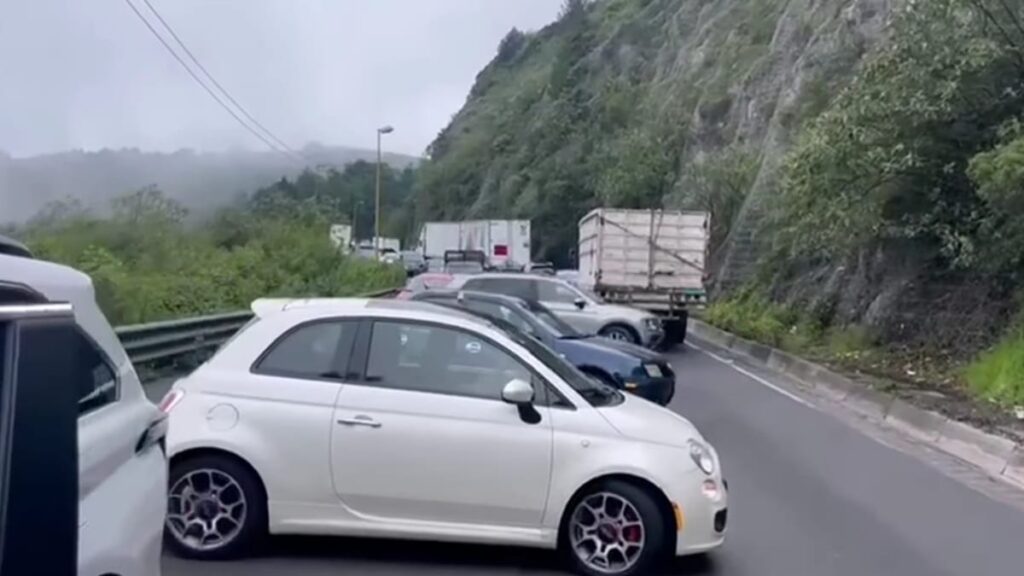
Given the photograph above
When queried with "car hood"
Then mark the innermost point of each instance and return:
(628, 348)
(640, 419)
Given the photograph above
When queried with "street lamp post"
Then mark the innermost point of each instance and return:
(376, 212)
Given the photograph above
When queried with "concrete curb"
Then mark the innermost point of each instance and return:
(997, 456)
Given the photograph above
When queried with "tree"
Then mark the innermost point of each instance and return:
(510, 45)
(888, 161)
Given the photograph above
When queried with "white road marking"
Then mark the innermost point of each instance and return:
(730, 363)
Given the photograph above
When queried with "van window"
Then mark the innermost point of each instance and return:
(97, 379)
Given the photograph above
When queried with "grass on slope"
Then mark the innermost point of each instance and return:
(998, 374)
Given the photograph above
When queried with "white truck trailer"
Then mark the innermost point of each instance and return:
(650, 259)
(341, 237)
(506, 243)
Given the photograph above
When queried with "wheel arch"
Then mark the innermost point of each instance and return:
(200, 451)
(619, 323)
(652, 489)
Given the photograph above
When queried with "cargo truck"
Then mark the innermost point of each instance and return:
(649, 259)
(505, 243)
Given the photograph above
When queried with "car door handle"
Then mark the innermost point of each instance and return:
(360, 420)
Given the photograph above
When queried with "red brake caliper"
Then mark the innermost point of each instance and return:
(631, 534)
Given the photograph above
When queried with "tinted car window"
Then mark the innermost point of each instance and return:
(555, 292)
(436, 359)
(518, 287)
(97, 380)
(309, 351)
(501, 311)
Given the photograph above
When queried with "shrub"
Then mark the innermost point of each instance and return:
(998, 374)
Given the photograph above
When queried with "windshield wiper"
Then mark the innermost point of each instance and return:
(599, 396)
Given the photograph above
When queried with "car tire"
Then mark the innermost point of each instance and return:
(233, 483)
(576, 544)
(620, 332)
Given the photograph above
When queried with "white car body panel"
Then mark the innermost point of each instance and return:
(437, 439)
(439, 467)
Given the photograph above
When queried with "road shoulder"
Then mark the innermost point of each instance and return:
(994, 459)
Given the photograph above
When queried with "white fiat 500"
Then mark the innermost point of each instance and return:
(399, 419)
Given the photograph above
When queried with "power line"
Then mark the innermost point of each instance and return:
(202, 84)
(217, 84)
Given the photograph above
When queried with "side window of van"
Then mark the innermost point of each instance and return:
(97, 380)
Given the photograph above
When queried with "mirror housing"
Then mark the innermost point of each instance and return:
(518, 392)
(580, 303)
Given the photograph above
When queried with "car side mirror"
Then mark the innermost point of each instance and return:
(580, 303)
(518, 392)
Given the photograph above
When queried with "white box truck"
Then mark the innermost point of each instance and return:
(506, 243)
(341, 237)
(650, 259)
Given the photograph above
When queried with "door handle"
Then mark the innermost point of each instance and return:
(361, 420)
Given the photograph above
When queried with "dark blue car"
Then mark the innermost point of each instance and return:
(619, 364)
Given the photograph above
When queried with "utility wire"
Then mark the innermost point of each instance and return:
(204, 86)
(217, 84)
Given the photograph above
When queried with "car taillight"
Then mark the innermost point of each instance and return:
(170, 400)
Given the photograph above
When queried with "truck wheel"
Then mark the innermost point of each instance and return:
(620, 332)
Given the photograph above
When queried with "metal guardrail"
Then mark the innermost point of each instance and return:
(163, 341)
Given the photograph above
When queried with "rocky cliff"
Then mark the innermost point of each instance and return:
(835, 142)
(578, 111)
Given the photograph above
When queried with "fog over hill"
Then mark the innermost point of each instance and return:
(201, 180)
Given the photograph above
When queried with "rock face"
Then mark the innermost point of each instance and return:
(800, 68)
(691, 104)
(567, 118)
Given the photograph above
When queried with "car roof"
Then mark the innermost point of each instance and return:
(445, 294)
(59, 283)
(517, 275)
(264, 307)
(12, 247)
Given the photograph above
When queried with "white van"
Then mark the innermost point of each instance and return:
(122, 461)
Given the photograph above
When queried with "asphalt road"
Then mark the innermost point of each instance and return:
(814, 491)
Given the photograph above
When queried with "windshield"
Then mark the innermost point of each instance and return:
(587, 293)
(593, 391)
(552, 322)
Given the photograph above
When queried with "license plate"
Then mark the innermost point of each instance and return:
(653, 370)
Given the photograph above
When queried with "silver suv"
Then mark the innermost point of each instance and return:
(580, 309)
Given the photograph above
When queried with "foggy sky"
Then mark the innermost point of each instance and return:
(88, 74)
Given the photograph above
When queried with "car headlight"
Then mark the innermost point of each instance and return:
(702, 457)
(652, 324)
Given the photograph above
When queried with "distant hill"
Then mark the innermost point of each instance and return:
(201, 180)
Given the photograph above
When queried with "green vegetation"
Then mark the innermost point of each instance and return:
(756, 318)
(148, 263)
(906, 152)
(998, 374)
(752, 317)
